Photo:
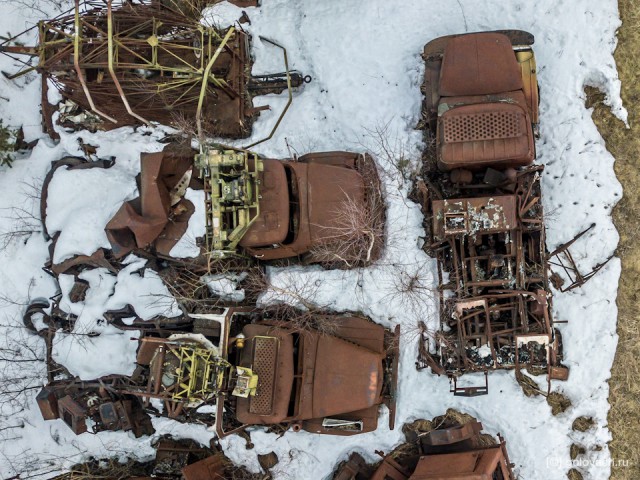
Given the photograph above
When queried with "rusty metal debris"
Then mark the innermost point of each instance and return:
(175, 459)
(446, 450)
(323, 207)
(76, 402)
(561, 257)
(483, 199)
(317, 372)
(119, 63)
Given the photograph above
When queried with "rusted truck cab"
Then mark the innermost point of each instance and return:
(306, 203)
(481, 99)
(320, 208)
(319, 383)
(324, 374)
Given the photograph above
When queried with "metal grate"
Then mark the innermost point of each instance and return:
(482, 126)
(265, 356)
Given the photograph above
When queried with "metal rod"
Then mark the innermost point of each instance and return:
(286, 107)
(111, 70)
(76, 63)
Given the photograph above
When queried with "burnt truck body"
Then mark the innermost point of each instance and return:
(484, 204)
(118, 63)
(458, 451)
(322, 207)
(268, 370)
(241, 367)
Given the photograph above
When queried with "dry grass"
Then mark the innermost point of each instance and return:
(583, 424)
(559, 403)
(624, 144)
(576, 450)
(574, 474)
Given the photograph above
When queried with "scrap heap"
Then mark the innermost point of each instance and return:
(235, 368)
(118, 63)
(487, 226)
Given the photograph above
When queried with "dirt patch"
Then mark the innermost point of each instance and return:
(624, 144)
(558, 402)
(574, 474)
(576, 450)
(582, 424)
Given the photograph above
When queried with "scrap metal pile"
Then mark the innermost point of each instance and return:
(153, 61)
(232, 369)
(175, 459)
(119, 63)
(447, 447)
(482, 197)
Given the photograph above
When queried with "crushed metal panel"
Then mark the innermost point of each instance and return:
(210, 468)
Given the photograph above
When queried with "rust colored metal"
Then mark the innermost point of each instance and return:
(324, 207)
(73, 414)
(75, 402)
(452, 435)
(487, 230)
(479, 64)
(210, 468)
(447, 452)
(561, 257)
(119, 63)
(481, 99)
(481, 135)
(160, 215)
(48, 403)
(322, 373)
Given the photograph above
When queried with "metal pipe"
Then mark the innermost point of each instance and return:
(286, 107)
(205, 81)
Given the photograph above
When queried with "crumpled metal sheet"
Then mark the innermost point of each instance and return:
(151, 220)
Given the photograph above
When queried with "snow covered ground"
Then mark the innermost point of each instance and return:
(364, 57)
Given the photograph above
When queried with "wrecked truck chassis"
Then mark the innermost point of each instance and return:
(483, 201)
(254, 369)
(117, 63)
(321, 208)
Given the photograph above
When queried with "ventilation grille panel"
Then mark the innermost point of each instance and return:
(473, 127)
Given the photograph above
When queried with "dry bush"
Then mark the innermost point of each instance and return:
(559, 403)
(24, 217)
(583, 424)
(356, 234)
(393, 153)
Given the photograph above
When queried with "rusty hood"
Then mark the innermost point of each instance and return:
(346, 377)
(479, 64)
(332, 192)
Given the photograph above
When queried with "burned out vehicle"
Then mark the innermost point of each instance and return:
(241, 367)
(319, 208)
(118, 63)
(446, 450)
(483, 199)
(323, 374)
